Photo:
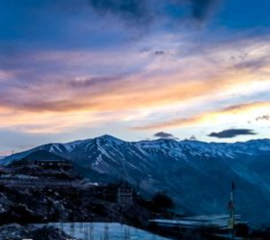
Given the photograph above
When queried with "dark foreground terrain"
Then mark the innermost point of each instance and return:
(32, 193)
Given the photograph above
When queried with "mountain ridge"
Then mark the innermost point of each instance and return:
(107, 136)
(196, 174)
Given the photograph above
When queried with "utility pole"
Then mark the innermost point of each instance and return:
(231, 207)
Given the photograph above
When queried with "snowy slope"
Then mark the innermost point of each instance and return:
(115, 231)
(197, 174)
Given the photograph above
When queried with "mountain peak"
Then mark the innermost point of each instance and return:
(110, 138)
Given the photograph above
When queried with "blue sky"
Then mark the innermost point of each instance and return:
(132, 68)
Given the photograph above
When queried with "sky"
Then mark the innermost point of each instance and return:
(135, 69)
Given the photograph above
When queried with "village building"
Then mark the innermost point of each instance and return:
(121, 193)
(49, 160)
(124, 194)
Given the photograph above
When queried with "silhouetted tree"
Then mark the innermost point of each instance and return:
(162, 201)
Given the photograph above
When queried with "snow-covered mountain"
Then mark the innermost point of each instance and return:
(196, 174)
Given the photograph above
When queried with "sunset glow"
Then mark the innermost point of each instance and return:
(69, 71)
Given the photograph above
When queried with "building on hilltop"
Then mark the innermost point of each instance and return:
(49, 160)
(44, 159)
(124, 194)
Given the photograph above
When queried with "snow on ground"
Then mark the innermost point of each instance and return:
(115, 231)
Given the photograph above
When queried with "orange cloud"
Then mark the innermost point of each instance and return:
(54, 103)
(56, 107)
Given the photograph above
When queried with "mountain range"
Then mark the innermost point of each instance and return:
(197, 175)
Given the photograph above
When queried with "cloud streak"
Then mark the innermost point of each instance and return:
(212, 117)
(49, 86)
(231, 133)
(170, 81)
(77, 85)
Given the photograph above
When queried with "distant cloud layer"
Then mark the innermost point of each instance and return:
(231, 133)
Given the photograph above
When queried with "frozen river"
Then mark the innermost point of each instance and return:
(105, 231)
